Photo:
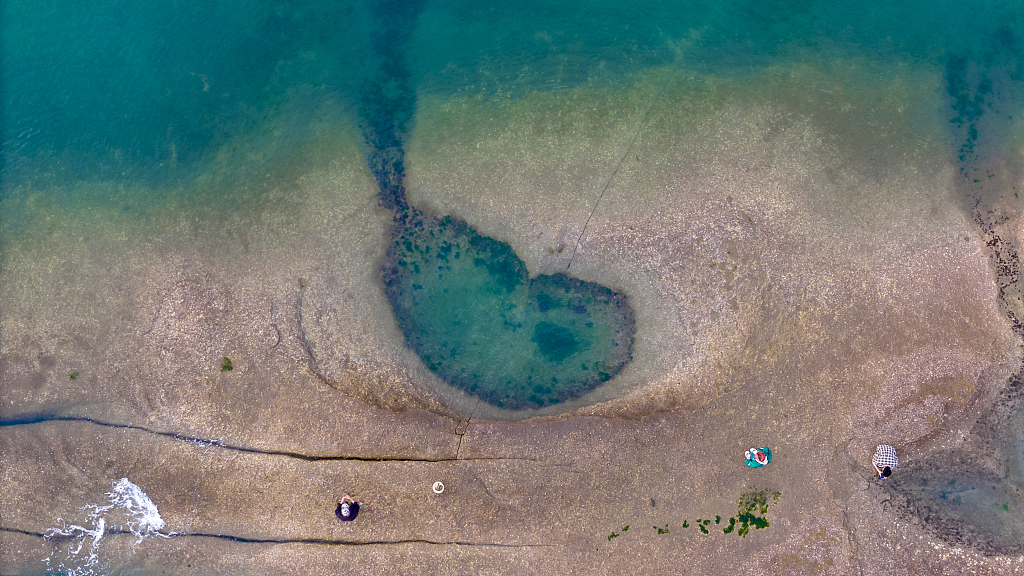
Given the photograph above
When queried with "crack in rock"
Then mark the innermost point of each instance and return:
(31, 420)
(244, 540)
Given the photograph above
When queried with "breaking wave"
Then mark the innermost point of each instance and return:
(128, 510)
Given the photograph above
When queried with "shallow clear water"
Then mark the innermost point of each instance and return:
(131, 114)
(468, 307)
(973, 496)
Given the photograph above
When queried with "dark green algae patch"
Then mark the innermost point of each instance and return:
(467, 306)
(752, 512)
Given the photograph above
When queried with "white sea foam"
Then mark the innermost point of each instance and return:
(127, 503)
(143, 517)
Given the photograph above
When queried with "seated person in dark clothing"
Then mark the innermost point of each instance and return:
(347, 509)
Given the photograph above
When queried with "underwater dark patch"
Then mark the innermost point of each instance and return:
(554, 342)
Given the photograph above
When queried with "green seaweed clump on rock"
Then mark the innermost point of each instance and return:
(753, 506)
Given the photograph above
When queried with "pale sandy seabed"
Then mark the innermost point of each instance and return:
(804, 275)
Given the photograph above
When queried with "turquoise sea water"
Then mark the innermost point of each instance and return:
(139, 92)
(134, 106)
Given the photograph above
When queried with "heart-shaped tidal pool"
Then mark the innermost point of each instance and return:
(469, 308)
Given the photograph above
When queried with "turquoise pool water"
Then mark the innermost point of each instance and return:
(469, 308)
